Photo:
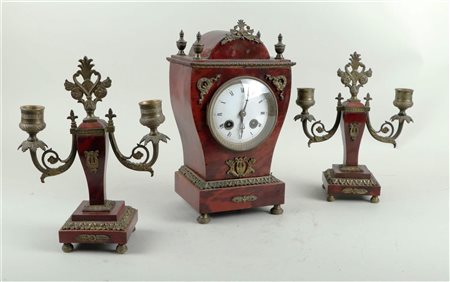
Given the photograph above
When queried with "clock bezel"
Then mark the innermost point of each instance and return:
(272, 117)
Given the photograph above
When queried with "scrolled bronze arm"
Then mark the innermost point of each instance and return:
(403, 101)
(319, 127)
(140, 152)
(50, 157)
(387, 129)
(305, 101)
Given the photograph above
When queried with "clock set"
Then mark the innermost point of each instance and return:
(229, 99)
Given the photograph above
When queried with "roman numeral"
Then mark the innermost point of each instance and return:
(222, 125)
(251, 133)
(242, 89)
(231, 93)
(263, 113)
(229, 134)
(260, 101)
(219, 114)
(223, 102)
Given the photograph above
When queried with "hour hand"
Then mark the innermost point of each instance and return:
(241, 128)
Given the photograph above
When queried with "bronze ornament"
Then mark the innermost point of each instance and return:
(355, 191)
(88, 87)
(243, 199)
(354, 130)
(241, 31)
(92, 238)
(204, 84)
(354, 79)
(91, 160)
(240, 166)
(280, 82)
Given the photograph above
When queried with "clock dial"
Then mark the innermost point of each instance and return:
(242, 113)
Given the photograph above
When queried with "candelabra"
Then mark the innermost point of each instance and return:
(98, 220)
(350, 178)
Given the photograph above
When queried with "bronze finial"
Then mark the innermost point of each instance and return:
(198, 47)
(88, 86)
(279, 47)
(354, 79)
(72, 117)
(367, 98)
(181, 44)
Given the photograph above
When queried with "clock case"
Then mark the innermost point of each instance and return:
(213, 178)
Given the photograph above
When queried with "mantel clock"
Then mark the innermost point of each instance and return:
(229, 98)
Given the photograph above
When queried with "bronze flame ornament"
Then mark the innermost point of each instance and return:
(352, 115)
(90, 140)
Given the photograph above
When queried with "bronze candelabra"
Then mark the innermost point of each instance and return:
(98, 220)
(350, 178)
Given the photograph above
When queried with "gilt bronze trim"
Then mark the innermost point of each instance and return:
(120, 225)
(226, 183)
(348, 181)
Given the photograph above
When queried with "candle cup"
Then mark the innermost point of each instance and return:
(403, 99)
(151, 114)
(32, 119)
(305, 98)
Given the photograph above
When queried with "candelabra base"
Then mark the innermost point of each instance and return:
(343, 180)
(208, 197)
(111, 223)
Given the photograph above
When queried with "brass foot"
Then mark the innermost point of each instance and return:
(67, 248)
(121, 249)
(330, 198)
(374, 199)
(277, 210)
(203, 218)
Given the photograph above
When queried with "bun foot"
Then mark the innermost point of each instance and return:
(330, 198)
(374, 199)
(203, 218)
(277, 210)
(67, 248)
(121, 249)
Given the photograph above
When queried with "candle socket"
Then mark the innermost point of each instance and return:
(305, 99)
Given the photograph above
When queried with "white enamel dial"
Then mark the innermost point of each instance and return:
(242, 113)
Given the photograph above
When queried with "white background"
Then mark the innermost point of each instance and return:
(404, 237)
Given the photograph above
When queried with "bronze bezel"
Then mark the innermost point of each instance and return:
(272, 116)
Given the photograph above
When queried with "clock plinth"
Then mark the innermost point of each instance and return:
(208, 197)
(229, 99)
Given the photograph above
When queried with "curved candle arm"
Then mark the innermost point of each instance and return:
(387, 128)
(33, 143)
(317, 126)
(52, 159)
(139, 152)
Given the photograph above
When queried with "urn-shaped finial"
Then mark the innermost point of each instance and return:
(279, 47)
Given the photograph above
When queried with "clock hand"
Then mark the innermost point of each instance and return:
(242, 114)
